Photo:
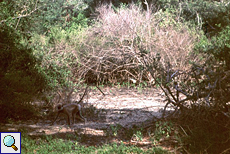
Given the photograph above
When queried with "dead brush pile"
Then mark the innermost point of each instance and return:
(112, 50)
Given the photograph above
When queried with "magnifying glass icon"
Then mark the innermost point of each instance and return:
(9, 141)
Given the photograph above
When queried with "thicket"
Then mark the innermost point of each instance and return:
(21, 78)
(183, 46)
(24, 78)
(22, 22)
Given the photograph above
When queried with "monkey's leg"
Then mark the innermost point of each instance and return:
(68, 119)
(55, 118)
(81, 117)
(73, 118)
(78, 116)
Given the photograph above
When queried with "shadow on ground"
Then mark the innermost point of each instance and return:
(116, 117)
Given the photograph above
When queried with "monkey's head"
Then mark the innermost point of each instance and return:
(59, 107)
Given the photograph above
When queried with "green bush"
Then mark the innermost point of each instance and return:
(20, 77)
(57, 55)
(205, 13)
(220, 46)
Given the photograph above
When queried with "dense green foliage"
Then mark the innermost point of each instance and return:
(23, 75)
(61, 13)
(20, 76)
(40, 15)
(205, 13)
(218, 46)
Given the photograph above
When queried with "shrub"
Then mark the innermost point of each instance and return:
(21, 79)
(111, 50)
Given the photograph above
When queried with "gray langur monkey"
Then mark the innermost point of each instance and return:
(71, 110)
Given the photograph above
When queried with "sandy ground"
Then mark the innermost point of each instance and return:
(120, 106)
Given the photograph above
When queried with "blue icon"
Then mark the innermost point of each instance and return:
(9, 141)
